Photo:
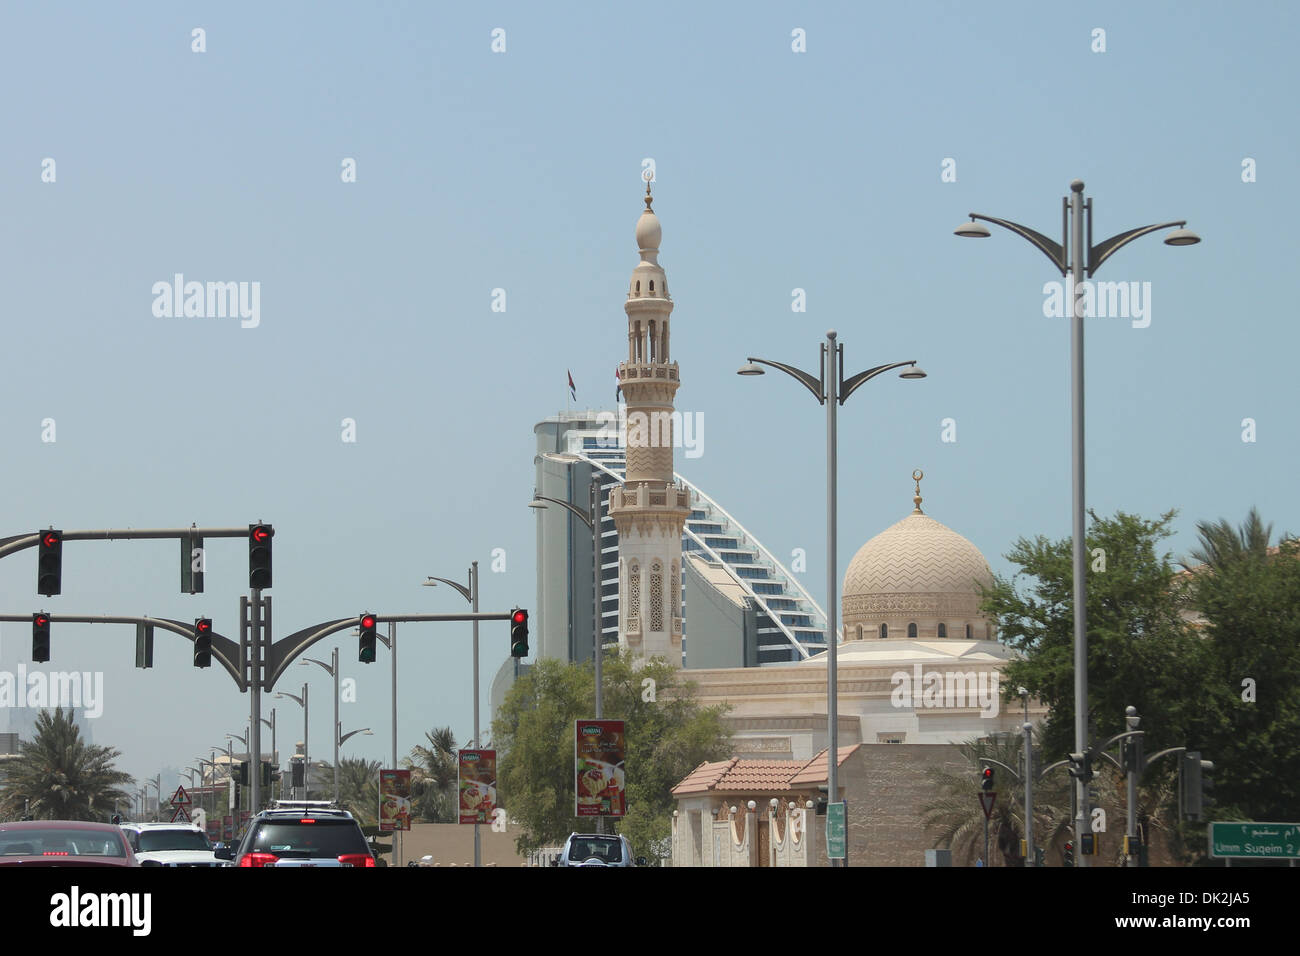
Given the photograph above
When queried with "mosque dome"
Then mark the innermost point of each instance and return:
(918, 578)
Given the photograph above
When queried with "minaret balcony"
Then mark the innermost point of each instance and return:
(640, 371)
(643, 498)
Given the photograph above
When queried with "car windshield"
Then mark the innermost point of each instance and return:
(56, 842)
(321, 837)
(151, 841)
(584, 848)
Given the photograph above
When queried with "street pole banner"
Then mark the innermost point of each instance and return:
(599, 754)
(477, 785)
(394, 800)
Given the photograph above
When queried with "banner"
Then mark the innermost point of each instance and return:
(394, 800)
(477, 785)
(598, 752)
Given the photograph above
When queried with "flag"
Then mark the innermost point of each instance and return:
(572, 388)
(619, 387)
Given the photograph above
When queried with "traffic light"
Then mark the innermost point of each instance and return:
(1067, 855)
(1040, 856)
(241, 773)
(259, 555)
(49, 565)
(299, 774)
(518, 633)
(1090, 844)
(203, 642)
(40, 637)
(986, 783)
(1081, 766)
(366, 651)
(1196, 785)
(144, 645)
(266, 774)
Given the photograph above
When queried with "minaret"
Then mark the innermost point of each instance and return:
(649, 510)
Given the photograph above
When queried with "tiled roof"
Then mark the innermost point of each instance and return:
(758, 776)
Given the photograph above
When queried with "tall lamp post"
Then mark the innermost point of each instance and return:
(591, 518)
(306, 752)
(470, 594)
(332, 669)
(340, 738)
(1072, 256)
(831, 389)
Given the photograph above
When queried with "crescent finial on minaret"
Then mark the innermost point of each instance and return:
(917, 475)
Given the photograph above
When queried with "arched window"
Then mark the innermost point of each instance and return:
(968, 632)
(911, 630)
(859, 632)
(652, 285)
(633, 594)
(943, 630)
(656, 597)
(638, 286)
(884, 631)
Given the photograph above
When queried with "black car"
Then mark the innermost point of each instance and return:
(302, 835)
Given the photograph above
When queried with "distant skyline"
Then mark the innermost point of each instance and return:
(430, 212)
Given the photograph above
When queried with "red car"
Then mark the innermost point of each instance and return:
(64, 843)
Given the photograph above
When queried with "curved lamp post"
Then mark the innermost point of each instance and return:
(1073, 255)
(831, 389)
(332, 669)
(306, 753)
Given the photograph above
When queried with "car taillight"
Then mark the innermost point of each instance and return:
(357, 859)
(258, 859)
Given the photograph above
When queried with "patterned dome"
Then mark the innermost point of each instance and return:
(917, 570)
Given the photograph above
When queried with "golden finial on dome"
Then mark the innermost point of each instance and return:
(648, 198)
(917, 475)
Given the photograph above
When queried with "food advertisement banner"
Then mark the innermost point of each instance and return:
(478, 785)
(394, 800)
(598, 750)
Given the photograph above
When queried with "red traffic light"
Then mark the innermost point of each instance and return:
(41, 620)
(203, 626)
(519, 617)
(49, 539)
(261, 533)
(368, 621)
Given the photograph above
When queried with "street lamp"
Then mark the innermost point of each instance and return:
(306, 753)
(1072, 255)
(831, 390)
(332, 669)
(470, 594)
(591, 518)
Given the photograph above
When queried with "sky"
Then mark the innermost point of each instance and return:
(435, 204)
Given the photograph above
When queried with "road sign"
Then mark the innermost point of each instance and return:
(837, 829)
(180, 813)
(1255, 841)
(986, 802)
(180, 798)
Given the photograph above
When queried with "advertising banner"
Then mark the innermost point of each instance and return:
(478, 785)
(394, 800)
(599, 785)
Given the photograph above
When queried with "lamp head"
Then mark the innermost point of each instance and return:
(750, 368)
(972, 230)
(1182, 237)
(913, 372)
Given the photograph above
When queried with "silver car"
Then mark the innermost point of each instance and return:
(597, 849)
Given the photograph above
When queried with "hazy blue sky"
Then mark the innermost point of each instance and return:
(520, 170)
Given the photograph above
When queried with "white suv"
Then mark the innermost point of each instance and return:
(170, 844)
(597, 849)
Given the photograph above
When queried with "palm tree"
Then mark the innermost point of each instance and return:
(58, 776)
(957, 816)
(434, 774)
(1221, 544)
(359, 787)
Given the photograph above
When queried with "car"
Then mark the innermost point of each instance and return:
(64, 843)
(597, 849)
(301, 834)
(171, 844)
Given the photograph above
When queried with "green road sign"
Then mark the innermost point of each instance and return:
(837, 830)
(1255, 841)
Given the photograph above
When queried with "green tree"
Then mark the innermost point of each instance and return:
(668, 734)
(1248, 597)
(58, 776)
(1140, 651)
(434, 775)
